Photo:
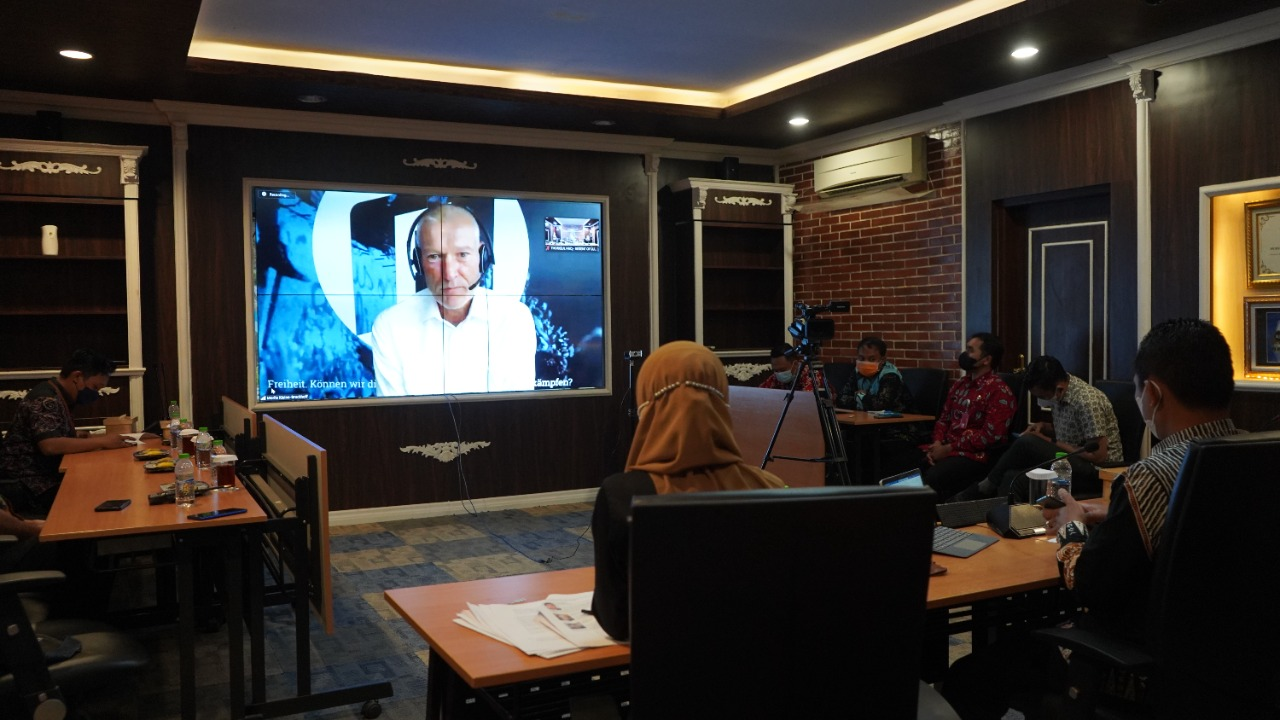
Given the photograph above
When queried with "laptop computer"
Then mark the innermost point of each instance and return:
(910, 478)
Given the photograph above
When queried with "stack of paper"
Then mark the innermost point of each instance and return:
(557, 625)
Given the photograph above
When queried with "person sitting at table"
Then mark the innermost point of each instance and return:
(1183, 377)
(786, 363)
(1081, 414)
(43, 430)
(878, 385)
(974, 421)
(683, 442)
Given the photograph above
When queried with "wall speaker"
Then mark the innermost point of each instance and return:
(729, 168)
(48, 125)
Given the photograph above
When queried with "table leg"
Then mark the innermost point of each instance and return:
(186, 627)
(232, 578)
(439, 677)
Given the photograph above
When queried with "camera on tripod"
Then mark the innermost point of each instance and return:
(809, 330)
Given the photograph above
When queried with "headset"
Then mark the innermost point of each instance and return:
(415, 261)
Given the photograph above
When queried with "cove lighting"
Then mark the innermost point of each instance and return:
(1023, 53)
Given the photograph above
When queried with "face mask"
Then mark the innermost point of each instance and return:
(1046, 404)
(86, 396)
(866, 368)
(785, 377)
(967, 363)
(1150, 421)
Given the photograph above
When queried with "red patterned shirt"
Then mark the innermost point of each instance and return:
(805, 384)
(976, 416)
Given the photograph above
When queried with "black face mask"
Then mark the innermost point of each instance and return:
(967, 363)
(86, 396)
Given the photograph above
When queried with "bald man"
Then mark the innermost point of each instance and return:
(453, 336)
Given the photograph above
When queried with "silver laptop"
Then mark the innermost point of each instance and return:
(910, 478)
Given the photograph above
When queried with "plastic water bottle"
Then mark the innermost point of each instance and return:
(184, 481)
(1062, 469)
(175, 417)
(204, 447)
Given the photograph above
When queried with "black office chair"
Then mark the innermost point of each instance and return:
(1128, 417)
(837, 373)
(44, 668)
(928, 388)
(801, 603)
(1211, 637)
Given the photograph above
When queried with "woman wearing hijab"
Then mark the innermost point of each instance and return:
(683, 443)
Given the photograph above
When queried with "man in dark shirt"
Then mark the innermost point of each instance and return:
(43, 430)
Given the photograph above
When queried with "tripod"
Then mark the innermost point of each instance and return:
(836, 460)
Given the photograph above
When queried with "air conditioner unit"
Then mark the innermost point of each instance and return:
(880, 167)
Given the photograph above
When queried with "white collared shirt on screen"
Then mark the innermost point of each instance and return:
(416, 352)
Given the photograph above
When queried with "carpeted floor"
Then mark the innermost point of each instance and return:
(371, 643)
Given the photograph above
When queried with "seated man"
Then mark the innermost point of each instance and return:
(1081, 413)
(877, 385)
(43, 431)
(786, 363)
(974, 420)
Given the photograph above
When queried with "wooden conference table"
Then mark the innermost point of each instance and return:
(462, 659)
(862, 421)
(93, 477)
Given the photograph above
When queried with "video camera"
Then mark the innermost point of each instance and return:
(811, 331)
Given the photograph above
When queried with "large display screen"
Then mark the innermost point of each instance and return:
(373, 295)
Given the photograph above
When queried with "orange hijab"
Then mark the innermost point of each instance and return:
(684, 439)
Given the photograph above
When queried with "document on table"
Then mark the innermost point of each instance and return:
(554, 626)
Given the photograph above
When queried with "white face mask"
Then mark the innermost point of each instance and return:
(1150, 421)
(1046, 404)
(785, 376)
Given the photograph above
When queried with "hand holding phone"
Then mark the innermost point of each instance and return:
(211, 514)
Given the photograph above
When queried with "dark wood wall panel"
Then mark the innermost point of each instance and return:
(1213, 121)
(536, 445)
(1045, 149)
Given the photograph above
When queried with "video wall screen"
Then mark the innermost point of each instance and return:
(375, 295)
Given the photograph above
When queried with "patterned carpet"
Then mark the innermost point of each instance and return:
(370, 642)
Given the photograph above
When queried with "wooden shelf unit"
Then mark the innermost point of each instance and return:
(725, 264)
(88, 294)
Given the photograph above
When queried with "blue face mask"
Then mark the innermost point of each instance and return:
(785, 377)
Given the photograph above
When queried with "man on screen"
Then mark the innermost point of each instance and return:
(453, 336)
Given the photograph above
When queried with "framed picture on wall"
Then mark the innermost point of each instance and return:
(1262, 334)
(1262, 241)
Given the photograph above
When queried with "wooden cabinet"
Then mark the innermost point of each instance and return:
(725, 263)
(87, 294)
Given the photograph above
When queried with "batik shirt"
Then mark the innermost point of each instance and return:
(1110, 566)
(976, 416)
(1085, 413)
(805, 384)
(44, 413)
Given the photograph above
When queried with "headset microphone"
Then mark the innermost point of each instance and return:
(415, 259)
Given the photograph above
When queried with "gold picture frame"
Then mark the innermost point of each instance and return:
(1262, 242)
(1262, 334)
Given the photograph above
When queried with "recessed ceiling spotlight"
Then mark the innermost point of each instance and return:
(603, 123)
(799, 121)
(76, 54)
(1024, 52)
(312, 99)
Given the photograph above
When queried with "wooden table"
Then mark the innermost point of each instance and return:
(461, 658)
(863, 421)
(93, 477)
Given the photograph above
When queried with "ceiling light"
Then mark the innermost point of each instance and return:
(76, 54)
(798, 121)
(312, 99)
(602, 123)
(1025, 52)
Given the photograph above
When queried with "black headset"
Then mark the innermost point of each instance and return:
(415, 261)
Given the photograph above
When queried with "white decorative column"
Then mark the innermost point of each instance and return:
(1143, 85)
(181, 267)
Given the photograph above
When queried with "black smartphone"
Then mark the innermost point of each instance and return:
(109, 505)
(1050, 502)
(215, 514)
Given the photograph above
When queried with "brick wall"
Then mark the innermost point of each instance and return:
(897, 263)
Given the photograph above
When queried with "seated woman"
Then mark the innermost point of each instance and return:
(683, 443)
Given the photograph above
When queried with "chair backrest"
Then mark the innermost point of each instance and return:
(928, 388)
(779, 603)
(1120, 393)
(837, 374)
(1214, 590)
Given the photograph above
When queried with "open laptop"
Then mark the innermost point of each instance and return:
(946, 540)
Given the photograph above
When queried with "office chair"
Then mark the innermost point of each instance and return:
(804, 603)
(1128, 417)
(837, 374)
(39, 665)
(1211, 637)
